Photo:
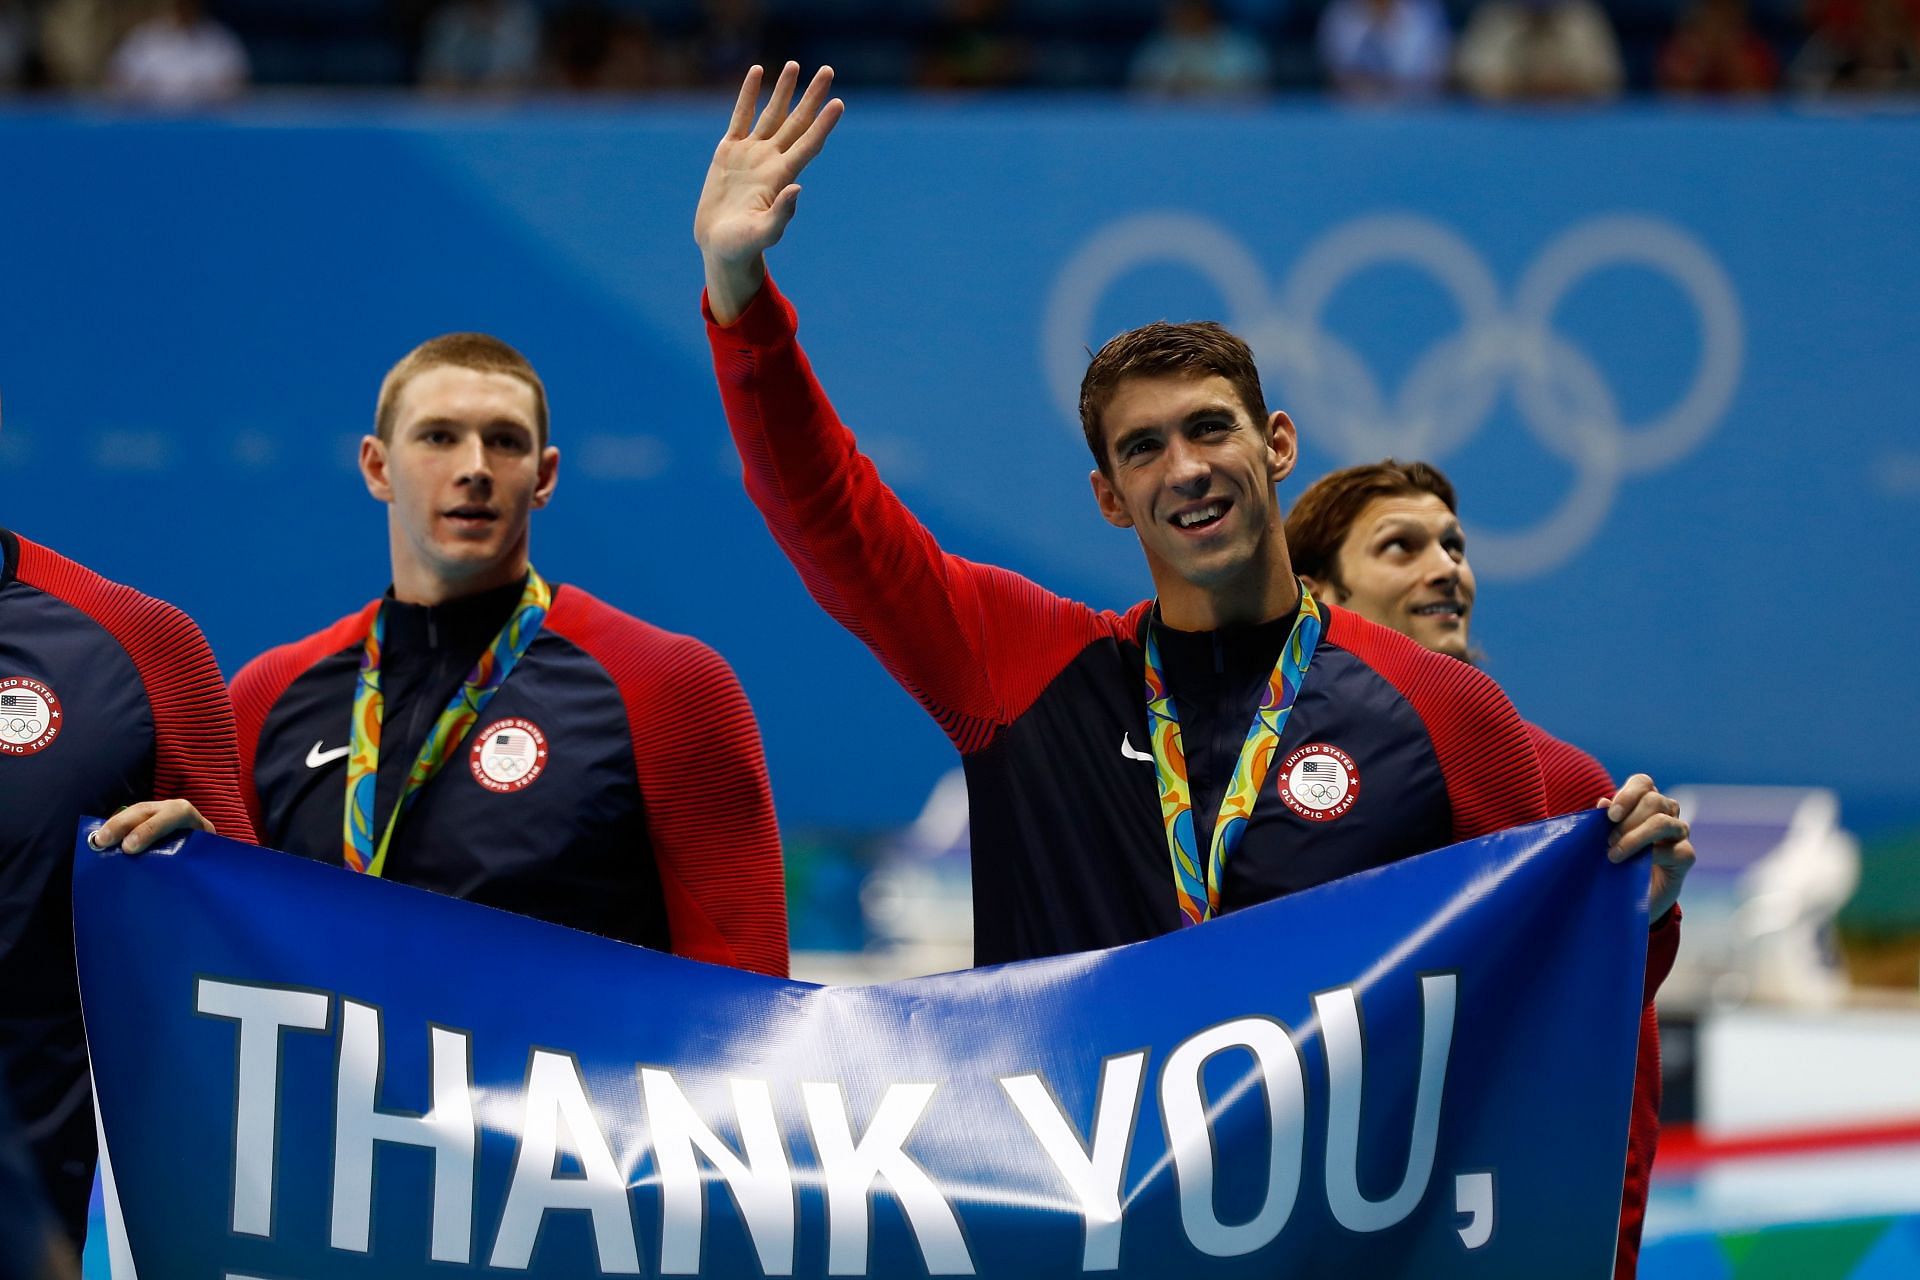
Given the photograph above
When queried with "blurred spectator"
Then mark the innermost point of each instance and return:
(733, 37)
(595, 50)
(1715, 50)
(16, 44)
(974, 46)
(1385, 49)
(180, 59)
(78, 36)
(1539, 49)
(1861, 46)
(481, 44)
(1196, 53)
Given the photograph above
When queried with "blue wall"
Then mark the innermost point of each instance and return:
(1684, 433)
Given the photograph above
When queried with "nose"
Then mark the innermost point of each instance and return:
(1439, 565)
(475, 468)
(1188, 471)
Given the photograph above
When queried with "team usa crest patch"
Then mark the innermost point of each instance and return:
(1319, 781)
(30, 716)
(508, 755)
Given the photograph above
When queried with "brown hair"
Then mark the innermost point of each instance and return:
(1322, 516)
(1193, 350)
(477, 351)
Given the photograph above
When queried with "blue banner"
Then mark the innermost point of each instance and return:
(1424, 1070)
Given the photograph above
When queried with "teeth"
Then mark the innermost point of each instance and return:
(1188, 519)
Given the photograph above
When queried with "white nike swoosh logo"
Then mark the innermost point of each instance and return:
(316, 757)
(1126, 749)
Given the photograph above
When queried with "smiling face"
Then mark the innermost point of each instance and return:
(1192, 472)
(462, 472)
(1404, 565)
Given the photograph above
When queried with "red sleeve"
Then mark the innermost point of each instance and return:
(1573, 778)
(195, 756)
(703, 780)
(1643, 1132)
(1486, 756)
(974, 644)
(259, 684)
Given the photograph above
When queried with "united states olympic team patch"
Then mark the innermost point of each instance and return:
(30, 716)
(1319, 781)
(508, 755)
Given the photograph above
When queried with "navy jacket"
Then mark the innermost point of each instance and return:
(107, 697)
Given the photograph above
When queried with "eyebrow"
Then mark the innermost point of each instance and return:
(1205, 413)
(1402, 523)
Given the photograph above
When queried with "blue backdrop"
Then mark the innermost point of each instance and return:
(1668, 357)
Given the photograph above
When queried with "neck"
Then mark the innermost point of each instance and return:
(1264, 590)
(415, 583)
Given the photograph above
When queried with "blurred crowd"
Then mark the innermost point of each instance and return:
(193, 52)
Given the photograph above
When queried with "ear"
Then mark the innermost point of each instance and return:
(1108, 499)
(373, 468)
(1324, 590)
(549, 477)
(1283, 446)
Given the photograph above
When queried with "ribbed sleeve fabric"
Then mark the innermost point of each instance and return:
(1486, 756)
(1574, 779)
(703, 779)
(974, 644)
(196, 756)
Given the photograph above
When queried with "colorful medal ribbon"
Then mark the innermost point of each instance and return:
(1200, 897)
(363, 762)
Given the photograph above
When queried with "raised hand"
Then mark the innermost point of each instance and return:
(750, 193)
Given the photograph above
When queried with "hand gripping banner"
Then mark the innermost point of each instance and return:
(1421, 1071)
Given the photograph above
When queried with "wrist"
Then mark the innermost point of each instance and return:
(732, 284)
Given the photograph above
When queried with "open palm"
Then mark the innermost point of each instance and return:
(750, 192)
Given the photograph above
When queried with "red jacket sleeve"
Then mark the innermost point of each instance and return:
(1486, 755)
(195, 757)
(974, 644)
(703, 779)
(1574, 779)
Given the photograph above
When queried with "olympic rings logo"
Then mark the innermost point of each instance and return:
(1321, 792)
(1562, 397)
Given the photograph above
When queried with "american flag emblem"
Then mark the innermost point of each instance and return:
(30, 716)
(1319, 782)
(508, 755)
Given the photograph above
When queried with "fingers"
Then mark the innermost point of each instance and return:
(808, 107)
(743, 105)
(138, 826)
(1652, 820)
(1658, 831)
(775, 114)
(815, 137)
(1630, 795)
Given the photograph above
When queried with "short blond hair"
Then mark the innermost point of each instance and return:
(478, 351)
